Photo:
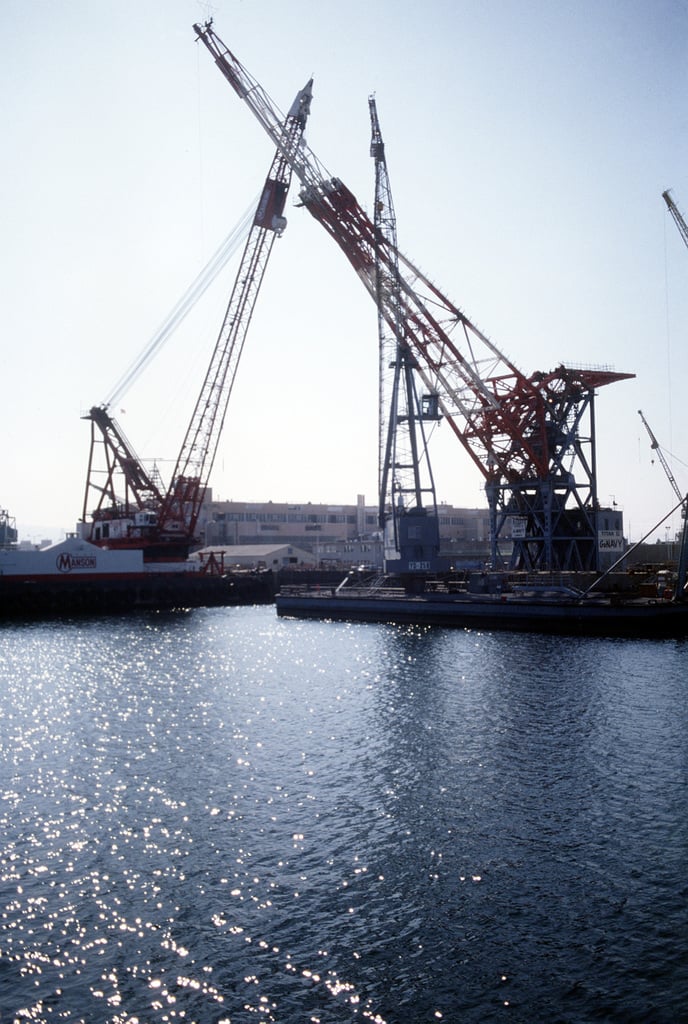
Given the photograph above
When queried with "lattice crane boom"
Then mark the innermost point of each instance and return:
(303, 162)
(523, 433)
(485, 397)
(385, 226)
(141, 490)
(182, 503)
(167, 529)
(408, 505)
(654, 444)
(676, 214)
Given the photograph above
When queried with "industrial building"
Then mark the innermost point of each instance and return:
(336, 534)
(258, 556)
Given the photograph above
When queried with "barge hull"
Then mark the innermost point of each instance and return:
(49, 598)
(633, 618)
(75, 577)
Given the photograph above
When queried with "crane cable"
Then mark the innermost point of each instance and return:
(186, 303)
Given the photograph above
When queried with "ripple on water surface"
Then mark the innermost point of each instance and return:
(223, 816)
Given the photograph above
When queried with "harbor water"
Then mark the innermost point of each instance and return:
(222, 816)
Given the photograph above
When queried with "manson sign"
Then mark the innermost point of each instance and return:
(67, 562)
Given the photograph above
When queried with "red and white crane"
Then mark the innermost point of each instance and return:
(132, 509)
(523, 433)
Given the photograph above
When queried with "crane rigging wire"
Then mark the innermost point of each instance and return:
(186, 303)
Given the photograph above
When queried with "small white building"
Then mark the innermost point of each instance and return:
(257, 556)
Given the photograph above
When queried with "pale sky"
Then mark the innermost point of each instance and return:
(528, 144)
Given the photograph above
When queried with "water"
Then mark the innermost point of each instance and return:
(220, 816)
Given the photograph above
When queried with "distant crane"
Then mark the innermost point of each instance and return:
(525, 434)
(654, 444)
(676, 214)
(163, 522)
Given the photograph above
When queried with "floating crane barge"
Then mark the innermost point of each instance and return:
(524, 433)
(133, 546)
(75, 577)
(520, 608)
